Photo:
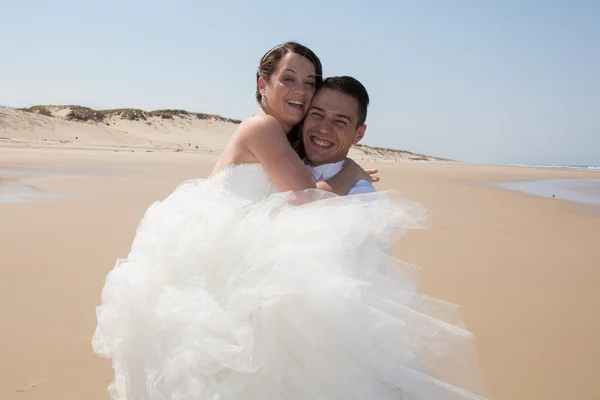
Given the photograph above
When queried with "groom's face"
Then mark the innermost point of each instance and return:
(331, 127)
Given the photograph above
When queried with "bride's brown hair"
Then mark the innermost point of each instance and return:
(266, 67)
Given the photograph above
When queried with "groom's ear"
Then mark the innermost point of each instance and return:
(360, 133)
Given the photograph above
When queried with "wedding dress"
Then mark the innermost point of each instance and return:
(232, 291)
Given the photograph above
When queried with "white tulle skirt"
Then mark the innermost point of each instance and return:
(228, 298)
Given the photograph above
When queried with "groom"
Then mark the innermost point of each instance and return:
(335, 121)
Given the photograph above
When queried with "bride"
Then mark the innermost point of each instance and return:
(260, 284)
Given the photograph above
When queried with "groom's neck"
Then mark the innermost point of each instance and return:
(318, 163)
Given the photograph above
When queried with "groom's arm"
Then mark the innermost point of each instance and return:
(362, 186)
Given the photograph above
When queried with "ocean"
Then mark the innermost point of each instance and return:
(591, 168)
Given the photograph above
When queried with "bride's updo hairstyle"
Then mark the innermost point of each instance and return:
(268, 65)
(268, 62)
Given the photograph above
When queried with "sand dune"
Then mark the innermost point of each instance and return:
(61, 126)
(134, 129)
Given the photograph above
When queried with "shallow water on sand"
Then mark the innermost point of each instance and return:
(13, 189)
(584, 190)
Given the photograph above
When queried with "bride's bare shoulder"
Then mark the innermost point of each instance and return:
(259, 125)
(256, 131)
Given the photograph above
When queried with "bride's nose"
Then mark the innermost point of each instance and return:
(299, 89)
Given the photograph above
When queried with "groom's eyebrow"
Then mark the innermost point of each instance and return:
(344, 117)
(337, 115)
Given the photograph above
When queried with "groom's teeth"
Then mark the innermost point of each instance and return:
(322, 143)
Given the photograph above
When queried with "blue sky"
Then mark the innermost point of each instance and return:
(479, 81)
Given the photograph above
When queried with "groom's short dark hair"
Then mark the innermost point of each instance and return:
(352, 87)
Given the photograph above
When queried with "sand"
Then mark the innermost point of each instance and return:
(523, 269)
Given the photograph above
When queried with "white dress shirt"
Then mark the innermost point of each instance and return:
(326, 171)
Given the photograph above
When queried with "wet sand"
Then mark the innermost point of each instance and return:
(523, 268)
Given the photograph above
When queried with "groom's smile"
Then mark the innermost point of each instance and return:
(319, 142)
(331, 127)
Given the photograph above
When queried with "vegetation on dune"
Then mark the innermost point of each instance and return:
(86, 114)
(219, 118)
(131, 114)
(169, 114)
(42, 110)
(76, 113)
(205, 116)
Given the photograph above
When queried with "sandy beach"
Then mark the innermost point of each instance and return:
(524, 269)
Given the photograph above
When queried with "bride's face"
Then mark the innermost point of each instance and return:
(287, 93)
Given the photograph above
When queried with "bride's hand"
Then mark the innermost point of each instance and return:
(371, 173)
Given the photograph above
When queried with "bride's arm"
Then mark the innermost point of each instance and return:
(266, 140)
